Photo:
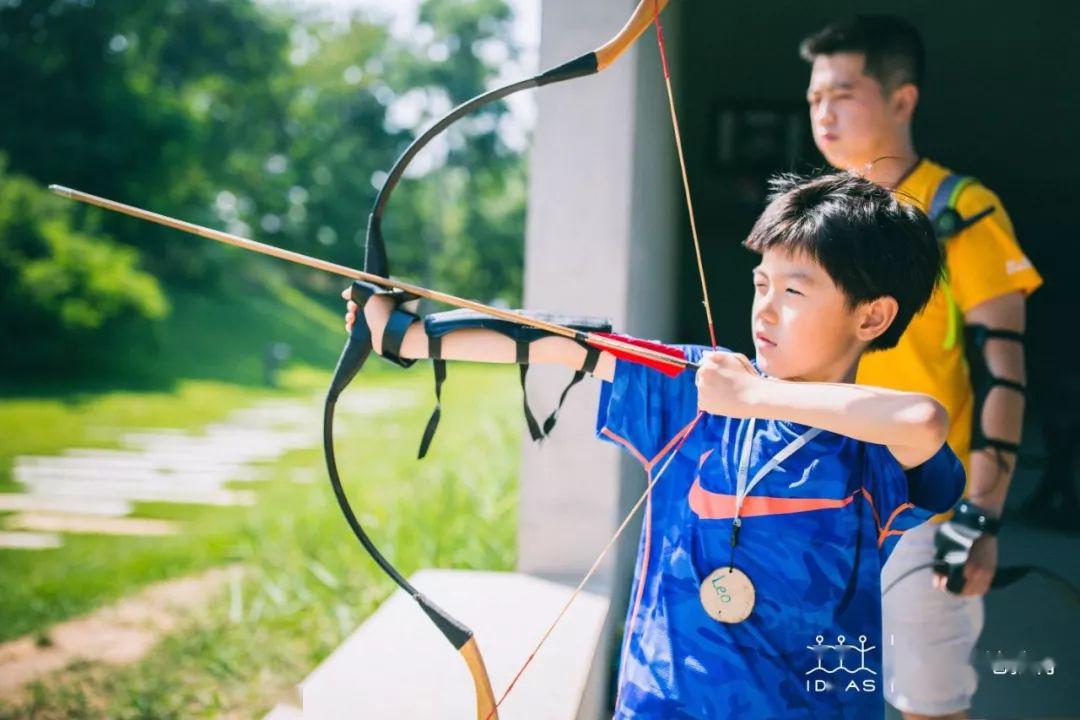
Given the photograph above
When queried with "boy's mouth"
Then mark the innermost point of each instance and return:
(761, 341)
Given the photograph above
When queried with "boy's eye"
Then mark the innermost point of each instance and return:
(793, 291)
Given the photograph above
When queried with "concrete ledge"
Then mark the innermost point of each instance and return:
(397, 665)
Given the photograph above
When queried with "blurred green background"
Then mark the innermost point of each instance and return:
(276, 123)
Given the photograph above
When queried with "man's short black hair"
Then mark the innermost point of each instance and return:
(891, 45)
(869, 243)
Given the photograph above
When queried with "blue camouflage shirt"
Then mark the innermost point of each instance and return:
(815, 533)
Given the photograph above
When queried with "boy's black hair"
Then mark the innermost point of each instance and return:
(869, 243)
(891, 45)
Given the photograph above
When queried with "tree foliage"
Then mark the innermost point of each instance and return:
(62, 289)
(271, 124)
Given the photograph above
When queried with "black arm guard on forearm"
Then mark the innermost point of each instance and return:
(439, 325)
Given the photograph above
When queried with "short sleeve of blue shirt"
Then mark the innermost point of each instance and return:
(903, 499)
(642, 409)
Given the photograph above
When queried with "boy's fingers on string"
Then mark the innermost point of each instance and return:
(721, 360)
(346, 293)
(710, 360)
(745, 361)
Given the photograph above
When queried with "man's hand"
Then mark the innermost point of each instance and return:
(726, 384)
(981, 565)
(979, 568)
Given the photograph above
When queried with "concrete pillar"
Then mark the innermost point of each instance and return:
(604, 200)
(604, 207)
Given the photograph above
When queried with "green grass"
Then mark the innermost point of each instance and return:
(206, 359)
(309, 583)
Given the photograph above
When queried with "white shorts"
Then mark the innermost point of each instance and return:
(929, 635)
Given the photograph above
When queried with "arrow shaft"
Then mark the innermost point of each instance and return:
(354, 274)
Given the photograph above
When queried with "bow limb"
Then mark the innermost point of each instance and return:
(376, 259)
(638, 23)
(485, 696)
(357, 350)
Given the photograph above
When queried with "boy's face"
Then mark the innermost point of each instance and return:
(802, 326)
(854, 122)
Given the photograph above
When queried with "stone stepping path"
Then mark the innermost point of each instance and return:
(142, 490)
(92, 490)
(18, 502)
(82, 470)
(29, 540)
(89, 524)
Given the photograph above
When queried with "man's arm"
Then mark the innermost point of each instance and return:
(1002, 418)
(475, 345)
(1003, 411)
(913, 426)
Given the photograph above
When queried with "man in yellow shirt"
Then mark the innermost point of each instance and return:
(965, 349)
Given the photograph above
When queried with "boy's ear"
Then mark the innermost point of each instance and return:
(875, 317)
(904, 100)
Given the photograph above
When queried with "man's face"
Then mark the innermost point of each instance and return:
(802, 326)
(850, 115)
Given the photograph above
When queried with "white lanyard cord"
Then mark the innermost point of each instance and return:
(742, 488)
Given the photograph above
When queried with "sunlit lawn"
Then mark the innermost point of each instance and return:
(309, 581)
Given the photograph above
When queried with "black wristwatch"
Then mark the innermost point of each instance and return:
(970, 515)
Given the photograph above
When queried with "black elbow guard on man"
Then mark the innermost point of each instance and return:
(983, 382)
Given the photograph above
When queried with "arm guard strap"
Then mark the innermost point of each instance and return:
(440, 324)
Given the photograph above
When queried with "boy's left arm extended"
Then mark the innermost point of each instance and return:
(475, 345)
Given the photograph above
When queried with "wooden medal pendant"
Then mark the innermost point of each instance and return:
(727, 595)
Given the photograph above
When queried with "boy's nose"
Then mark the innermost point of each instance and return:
(824, 114)
(764, 312)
